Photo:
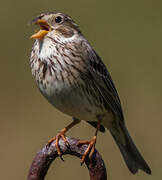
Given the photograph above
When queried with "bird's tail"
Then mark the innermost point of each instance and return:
(131, 155)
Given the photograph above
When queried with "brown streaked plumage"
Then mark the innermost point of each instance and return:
(73, 78)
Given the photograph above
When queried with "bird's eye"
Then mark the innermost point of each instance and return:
(58, 19)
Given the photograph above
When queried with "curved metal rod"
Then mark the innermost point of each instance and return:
(48, 154)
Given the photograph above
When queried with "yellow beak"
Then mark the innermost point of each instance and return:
(44, 29)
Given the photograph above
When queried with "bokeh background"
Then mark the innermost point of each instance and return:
(128, 36)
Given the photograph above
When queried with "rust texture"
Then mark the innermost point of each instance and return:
(48, 154)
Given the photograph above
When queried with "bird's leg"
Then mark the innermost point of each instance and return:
(61, 134)
(91, 146)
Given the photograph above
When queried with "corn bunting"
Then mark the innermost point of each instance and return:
(72, 77)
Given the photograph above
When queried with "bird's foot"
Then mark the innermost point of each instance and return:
(90, 150)
(60, 135)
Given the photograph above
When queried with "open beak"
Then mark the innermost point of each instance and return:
(44, 29)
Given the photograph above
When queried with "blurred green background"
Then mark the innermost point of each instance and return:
(128, 36)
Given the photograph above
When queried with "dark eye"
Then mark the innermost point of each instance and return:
(58, 19)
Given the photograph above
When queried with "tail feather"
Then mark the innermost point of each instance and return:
(131, 155)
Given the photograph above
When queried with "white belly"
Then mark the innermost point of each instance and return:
(70, 101)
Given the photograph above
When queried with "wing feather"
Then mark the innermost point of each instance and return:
(103, 82)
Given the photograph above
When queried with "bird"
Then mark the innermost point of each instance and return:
(73, 78)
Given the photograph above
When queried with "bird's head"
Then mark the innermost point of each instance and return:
(55, 24)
